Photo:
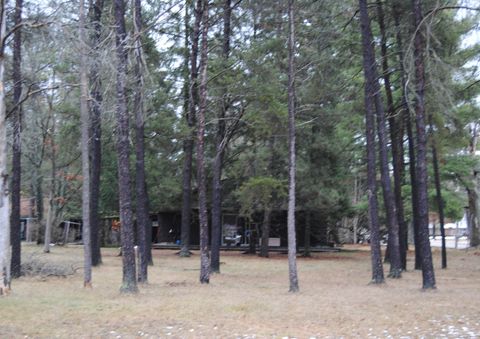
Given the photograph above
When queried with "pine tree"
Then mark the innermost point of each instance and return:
(143, 219)
(190, 93)
(421, 168)
(388, 197)
(202, 7)
(4, 195)
(368, 64)
(129, 282)
(96, 12)
(85, 142)
(292, 243)
(396, 129)
(17, 142)
(220, 146)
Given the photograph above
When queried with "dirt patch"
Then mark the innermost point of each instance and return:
(249, 299)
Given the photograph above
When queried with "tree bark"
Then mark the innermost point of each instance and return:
(143, 220)
(438, 190)
(421, 169)
(85, 142)
(202, 7)
(474, 231)
(252, 245)
(396, 129)
(17, 143)
(473, 194)
(129, 283)
(413, 183)
(96, 12)
(265, 232)
(368, 62)
(410, 137)
(292, 242)
(388, 198)
(4, 196)
(53, 181)
(189, 108)
(219, 145)
(264, 247)
(38, 191)
(216, 209)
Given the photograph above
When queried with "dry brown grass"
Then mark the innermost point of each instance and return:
(249, 299)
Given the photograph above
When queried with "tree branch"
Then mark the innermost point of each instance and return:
(31, 24)
(27, 96)
(437, 9)
(471, 85)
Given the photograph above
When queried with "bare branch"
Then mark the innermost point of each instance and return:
(29, 93)
(29, 24)
(437, 9)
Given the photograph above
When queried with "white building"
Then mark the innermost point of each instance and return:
(456, 233)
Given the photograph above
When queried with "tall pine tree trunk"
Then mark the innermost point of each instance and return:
(438, 191)
(4, 196)
(37, 189)
(17, 143)
(129, 282)
(413, 183)
(473, 193)
(265, 232)
(267, 213)
(85, 142)
(190, 108)
(368, 62)
(96, 11)
(217, 207)
(421, 169)
(396, 137)
(292, 241)
(406, 117)
(475, 230)
(53, 180)
(220, 145)
(252, 241)
(143, 220)
(202, 7)
(472, 213)
(388, 198)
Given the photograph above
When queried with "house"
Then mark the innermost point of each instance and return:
(236, 230)
(456, 233)
(29, 226)
(452, 228)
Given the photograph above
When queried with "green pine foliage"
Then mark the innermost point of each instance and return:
(330, 126)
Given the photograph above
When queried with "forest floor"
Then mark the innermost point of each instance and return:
(249, 299)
